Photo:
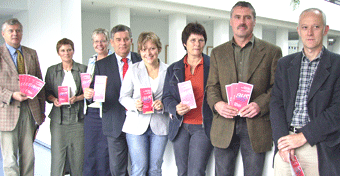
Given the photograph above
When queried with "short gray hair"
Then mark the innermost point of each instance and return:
(101, 31)
(12, 21)
(243, 4)
(120, 28)
(313, 10)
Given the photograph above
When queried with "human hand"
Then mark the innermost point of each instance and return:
(56, 102)
(225, 110)
(291, 141)
(88, 93)
(250, 111)
(285, 154)
(158, 105)
(182, 109)
(139, 105)
(19, 96)
(73, 99)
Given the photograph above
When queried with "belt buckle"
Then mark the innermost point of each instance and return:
(295, 130)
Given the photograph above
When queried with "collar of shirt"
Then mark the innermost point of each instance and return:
(12, 50)
(305, 59)
(187, 64)
(119, 58)
(251, 42)
(121, 64)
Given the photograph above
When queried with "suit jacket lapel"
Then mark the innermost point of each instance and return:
(27, 59)
(229, 64)
(8, 59)
(161, 75)
(255, 57)
(321, 74)
(143, 76)
(294, 75)
(115, 68)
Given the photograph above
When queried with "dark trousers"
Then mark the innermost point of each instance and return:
(225, 158)
(192, 150)
(96, 154)
(118, 153)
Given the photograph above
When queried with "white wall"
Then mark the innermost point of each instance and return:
(91, 21)
(157, 25)
(269, 36)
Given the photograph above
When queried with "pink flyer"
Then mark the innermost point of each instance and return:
(85, 80)
(242, 95)
(295, 166)
(64, 95)
(30, 85)
(99, 88)
(34, 87)
(187, 94)
(147, 99)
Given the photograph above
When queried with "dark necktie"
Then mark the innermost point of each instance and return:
(125, 66)
(21, 63)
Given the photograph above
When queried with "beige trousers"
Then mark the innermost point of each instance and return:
(308, 158)
(19, 143)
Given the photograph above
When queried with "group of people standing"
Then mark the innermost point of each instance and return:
(294, 103)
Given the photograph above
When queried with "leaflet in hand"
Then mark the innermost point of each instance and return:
(64, 95)
(187, 94)
(30, 85)
(85, 80)
(295, 166)
(147, 99)
(99, 88)
(239, 94)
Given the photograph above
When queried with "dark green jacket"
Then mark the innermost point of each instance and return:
(54, 78)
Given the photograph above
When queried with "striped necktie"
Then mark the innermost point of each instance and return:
(21, 63)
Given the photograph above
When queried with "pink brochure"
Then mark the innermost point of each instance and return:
(99, 88)
(229, 93)
(64, 95)
(85, 80)
(295, 166)
(23, 83)
(34, 87)
(187, 94)
(30, 85)
(147, 99)
(242, 95)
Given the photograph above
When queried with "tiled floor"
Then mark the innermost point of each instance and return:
(42, 160)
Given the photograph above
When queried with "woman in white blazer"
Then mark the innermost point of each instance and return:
(146, 134)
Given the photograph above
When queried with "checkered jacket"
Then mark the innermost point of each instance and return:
(9, 83)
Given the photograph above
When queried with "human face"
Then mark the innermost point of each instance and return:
(311, 30)
(242, 22)
(149, 53)
(100, 44)
(66, 53)
(121, 43)
(195, 45)
(12, 35)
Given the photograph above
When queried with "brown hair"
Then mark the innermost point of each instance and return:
(146, 36)
(64, 41)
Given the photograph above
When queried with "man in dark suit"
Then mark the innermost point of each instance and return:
(304, 108)
(114, 67)
(247, 59)
(18, 114)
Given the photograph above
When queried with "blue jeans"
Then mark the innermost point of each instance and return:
(146, 152)
(225, 158)
(192, 150)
